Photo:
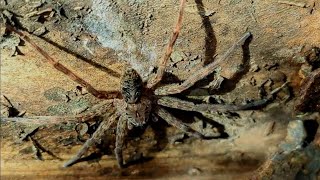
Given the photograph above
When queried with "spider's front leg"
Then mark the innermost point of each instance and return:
(163, 62)
(60, 67)
(200, 74)
(95, 139)
(121, 132)
(170, 119)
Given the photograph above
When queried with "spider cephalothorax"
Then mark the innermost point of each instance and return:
(136, 101)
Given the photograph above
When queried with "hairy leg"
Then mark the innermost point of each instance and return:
(95, 139)
(176, 103)
(202, 73)
(121, 132)
(99, 94)
(46, 120)
(163, 62)
(177, 123)
(96, 110)
(102, 108)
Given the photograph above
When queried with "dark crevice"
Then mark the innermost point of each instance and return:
(311, 127)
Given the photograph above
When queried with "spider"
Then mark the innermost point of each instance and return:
(137, 101)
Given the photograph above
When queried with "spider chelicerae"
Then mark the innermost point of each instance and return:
(137, 101)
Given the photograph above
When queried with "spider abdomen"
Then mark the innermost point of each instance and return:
(131, 86)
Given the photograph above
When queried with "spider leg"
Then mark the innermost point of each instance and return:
(96, 138)
(96, 110)
(100, 109)
(176, 103)
(121, 132)
(200, 74)
(99, 94)
(46, 120)
(163, 62)
(177, 123)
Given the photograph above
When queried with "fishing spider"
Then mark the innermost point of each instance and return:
(137, 100)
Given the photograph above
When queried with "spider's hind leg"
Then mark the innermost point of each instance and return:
(176, 103)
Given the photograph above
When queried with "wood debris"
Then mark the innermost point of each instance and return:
(36, 13)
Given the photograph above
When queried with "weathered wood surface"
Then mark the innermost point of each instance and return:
(279, 31)
(191, 159)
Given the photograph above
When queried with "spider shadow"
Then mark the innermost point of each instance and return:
(210, 44)
(193, 117)
(210, 39)
(220, 127)
(91, 158)
(210, 51)
(190, 117)
(159, 129)
(96, 65)
(19, 25)
(162, 136)
(228, 84)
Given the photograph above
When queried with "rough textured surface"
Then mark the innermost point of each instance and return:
(296, 158)
(309, 100)
(96, 39)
